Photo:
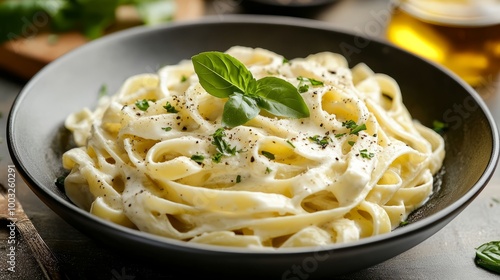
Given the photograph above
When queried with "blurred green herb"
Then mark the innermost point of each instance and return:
(59, 182)
(26, 18)
(103, 90)
(154, 11)
(439, 126)
(52, 39)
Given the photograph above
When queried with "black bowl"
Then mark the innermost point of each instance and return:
(36, 137)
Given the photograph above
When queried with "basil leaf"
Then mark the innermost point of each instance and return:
(488, 256)
(221, 75)
(280, 98)
(239, 109)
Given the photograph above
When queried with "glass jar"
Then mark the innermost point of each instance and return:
(462, 35)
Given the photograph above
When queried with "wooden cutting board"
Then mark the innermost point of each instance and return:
(26, 56)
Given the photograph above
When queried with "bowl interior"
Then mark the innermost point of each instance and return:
(37, 139)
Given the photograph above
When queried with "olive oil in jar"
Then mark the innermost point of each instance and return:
(462, 35)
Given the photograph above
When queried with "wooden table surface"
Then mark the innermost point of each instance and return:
(448, 254)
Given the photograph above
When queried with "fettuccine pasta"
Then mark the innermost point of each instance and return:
(356, 167)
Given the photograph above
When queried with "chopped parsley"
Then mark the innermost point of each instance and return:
(223, 148)
(304, 83)
(351, 143)
(183, 78)
(268, 155)
(290, 143)
(303, 88)
(268, 170)
(198, 158)
(349, 124)
(167, 128)
(217, 157)
(355, 128)
(143, 105)
(170, 108)
(313, 82)
(358, 128)
(238, 179)
(365, 154)
(323, 142)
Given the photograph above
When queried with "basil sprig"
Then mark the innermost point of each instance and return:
(223, 76)
(488, 256)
